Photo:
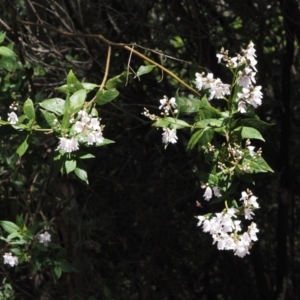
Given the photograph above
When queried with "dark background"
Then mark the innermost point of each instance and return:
(132, 232)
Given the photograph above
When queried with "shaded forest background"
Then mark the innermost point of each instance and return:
(131, 232)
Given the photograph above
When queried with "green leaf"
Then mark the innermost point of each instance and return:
(2, 36)
(9, 63)
(254, 123)
(258, 165)
(211, 179)
(187, 105)
(51, 119)
(67, 267)
(250, 133)
(206, 111)
(117, 81)
(6, 52)
(23, 147)
(55, 105)
(144, 70)
(105, 142)
(211, 122)
(89, 86)
(77, 101)
(81, 174)
(65, 123)
(70, 165)
(28, 109)
(171, 122)
(203, 137)
(14, 235)
(20, 221)
(105, 96)
(9, 227)
(207, 135)
(16, 251)
(194, 139)
(106, 292)
(57, 271)
(87, 155)
(73, 83)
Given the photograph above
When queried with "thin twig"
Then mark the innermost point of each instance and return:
(127, 47)
(106, 68)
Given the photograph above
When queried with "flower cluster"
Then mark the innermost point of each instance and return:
(210, 191)
(249, 203)
(169, 136)
(249, 94)
(12, 118)
(226, 232)
(86, 129)
(167, 104)
(68, 144)
(10, 259)
(216, 88)
(44, 238)
(89, 128)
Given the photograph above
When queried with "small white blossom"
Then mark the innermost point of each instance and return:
(242, 107)
(220, 56)
(251, 150)
(248, 213)
(246, 77)
(79, 126)
(44, 238)
(169, 136)
(207, 194)
(216, 191)
(251, 95)
(68, 145)
(252, 229)
(12, 118)
(167, 104)
(9, 259)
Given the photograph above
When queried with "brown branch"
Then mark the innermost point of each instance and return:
(127, 47)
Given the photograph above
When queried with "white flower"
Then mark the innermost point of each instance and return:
(44, 238)
(163, 102)
(218, 89)
(252, 229)
(248, 213)
(251, 95)
(95, 124)
(216, 191)
(207, 194)
(220, 56)
(10, 259)
(244, 196)
(68, 145)
(99, 137)
(172, 102)
(169, 136)
(246, 77)
(12, 118)
(82, 113)
(210, 191)
(167, 104)
(199, 81)
(201, 219)
(79, 126)
(251, 150)
(252, 201)
(242, 107)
